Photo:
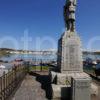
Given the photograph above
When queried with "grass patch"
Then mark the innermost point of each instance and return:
(89, 70)
(40, 68)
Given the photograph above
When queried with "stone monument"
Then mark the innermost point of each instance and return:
(69, 80)
(69, 51)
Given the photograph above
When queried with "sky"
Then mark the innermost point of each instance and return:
(38, 24)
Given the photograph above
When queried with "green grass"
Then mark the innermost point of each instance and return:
(89, 71)
(44, 68)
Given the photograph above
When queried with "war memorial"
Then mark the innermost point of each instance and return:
(69, 82)
(40, 78)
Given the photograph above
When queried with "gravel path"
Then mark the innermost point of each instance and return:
(30, 89)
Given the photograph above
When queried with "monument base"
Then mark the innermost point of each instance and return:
(81, 87)
(70, 73)
(70, 84)
(59, 92)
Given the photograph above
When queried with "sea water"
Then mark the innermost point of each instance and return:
(27, 57)
(32, 57)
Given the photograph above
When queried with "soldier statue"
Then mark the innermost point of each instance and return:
(69, 15)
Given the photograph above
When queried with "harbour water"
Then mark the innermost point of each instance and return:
(31, 57)
(28, 57)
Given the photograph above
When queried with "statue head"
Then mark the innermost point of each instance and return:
(74, 2)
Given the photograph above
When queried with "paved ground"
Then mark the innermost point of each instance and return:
(30, 89)
(96, 97)
(37, 87)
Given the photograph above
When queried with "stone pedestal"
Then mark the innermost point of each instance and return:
(81, 88)
(69, 53)
(69, 73)
(59, 92)
(79, 85)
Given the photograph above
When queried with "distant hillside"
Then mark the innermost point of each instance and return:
(13, 51)
(94, 52)
(4, 51)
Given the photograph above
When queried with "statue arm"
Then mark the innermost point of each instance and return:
(65, 11)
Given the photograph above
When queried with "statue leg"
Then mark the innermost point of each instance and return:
(73, 25)
(68, 25)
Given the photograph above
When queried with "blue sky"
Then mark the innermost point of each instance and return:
(43, 19)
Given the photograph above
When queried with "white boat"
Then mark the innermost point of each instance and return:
(3, 69)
